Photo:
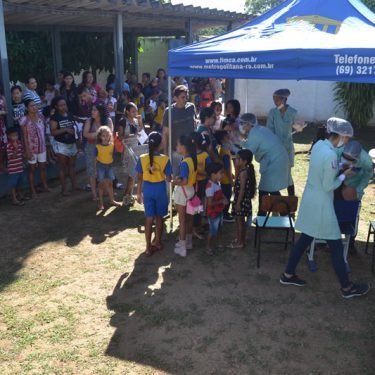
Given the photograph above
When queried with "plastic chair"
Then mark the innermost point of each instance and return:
(347, 213)
(286, 208)
(371, 231)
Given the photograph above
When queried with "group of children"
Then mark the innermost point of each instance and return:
(207, 172)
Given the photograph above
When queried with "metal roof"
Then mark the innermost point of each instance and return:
(144, 17)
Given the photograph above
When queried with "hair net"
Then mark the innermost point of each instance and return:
(339, 126)
(250, 118)
(353, 149)
(283, 93)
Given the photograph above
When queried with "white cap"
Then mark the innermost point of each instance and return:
(339, 126)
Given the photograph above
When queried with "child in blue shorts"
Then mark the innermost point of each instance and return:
(154, 169)
(216, 202)
(104, 165)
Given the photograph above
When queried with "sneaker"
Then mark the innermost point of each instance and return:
(228, 218)
(356, 290)
(294, 280)
(180, 249)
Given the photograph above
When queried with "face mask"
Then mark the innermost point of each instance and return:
(242, 129)
(341, 143)
(281, 106)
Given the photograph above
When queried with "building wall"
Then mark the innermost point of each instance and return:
(154, 56)
(313, 99)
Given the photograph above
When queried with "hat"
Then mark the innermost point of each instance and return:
(249, 118)
(283, 93)
(339, 126)
(353, 149)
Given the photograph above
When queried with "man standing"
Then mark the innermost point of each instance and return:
(183, 123)
(31, 94)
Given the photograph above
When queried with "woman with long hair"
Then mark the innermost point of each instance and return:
(63, 130)
(68, 90)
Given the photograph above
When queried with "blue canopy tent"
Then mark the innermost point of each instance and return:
(300, 39)
(327, 40)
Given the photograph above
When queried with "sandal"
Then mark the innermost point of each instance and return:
(235, 245)
(209, 251)
(148, 253)
(18, 203)
(155, 248)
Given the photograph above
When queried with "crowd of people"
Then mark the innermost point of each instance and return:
(210, 170)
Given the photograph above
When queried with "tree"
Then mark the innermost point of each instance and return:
(257, 7)
(31, 53)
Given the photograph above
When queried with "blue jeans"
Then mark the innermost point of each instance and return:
(337, 257)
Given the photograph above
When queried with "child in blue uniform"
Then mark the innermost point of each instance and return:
(104, 165)
(184, 191)
(154, 169)
(202, 142)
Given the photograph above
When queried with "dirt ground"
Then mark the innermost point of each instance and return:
(79, 297)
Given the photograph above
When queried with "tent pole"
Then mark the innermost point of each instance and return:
(246, 96)
(170, 151)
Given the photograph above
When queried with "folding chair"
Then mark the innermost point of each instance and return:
(286, 208)
(371, 231)
(347, 213)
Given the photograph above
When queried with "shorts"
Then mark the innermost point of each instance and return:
(90, 159)
(68, 150)
(38, 158)
(215, 224)
(104, 172)
(179, 196)
(155, 200)
(15, 180)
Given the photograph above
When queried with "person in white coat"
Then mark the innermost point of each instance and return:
(317, 217)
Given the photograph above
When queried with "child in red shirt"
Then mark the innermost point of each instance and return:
(14, 150)
(216, 203)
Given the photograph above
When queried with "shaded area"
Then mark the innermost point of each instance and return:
(219, 315)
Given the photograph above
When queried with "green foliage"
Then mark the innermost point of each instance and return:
(257, 7)
(356, 100)
(29, 53)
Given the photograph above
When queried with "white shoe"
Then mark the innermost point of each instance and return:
(181, 249)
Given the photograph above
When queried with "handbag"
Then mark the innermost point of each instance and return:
(194, 205)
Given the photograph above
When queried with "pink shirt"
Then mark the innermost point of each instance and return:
(36, 133)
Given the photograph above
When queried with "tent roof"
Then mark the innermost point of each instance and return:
(300, 39)
(140, 16)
